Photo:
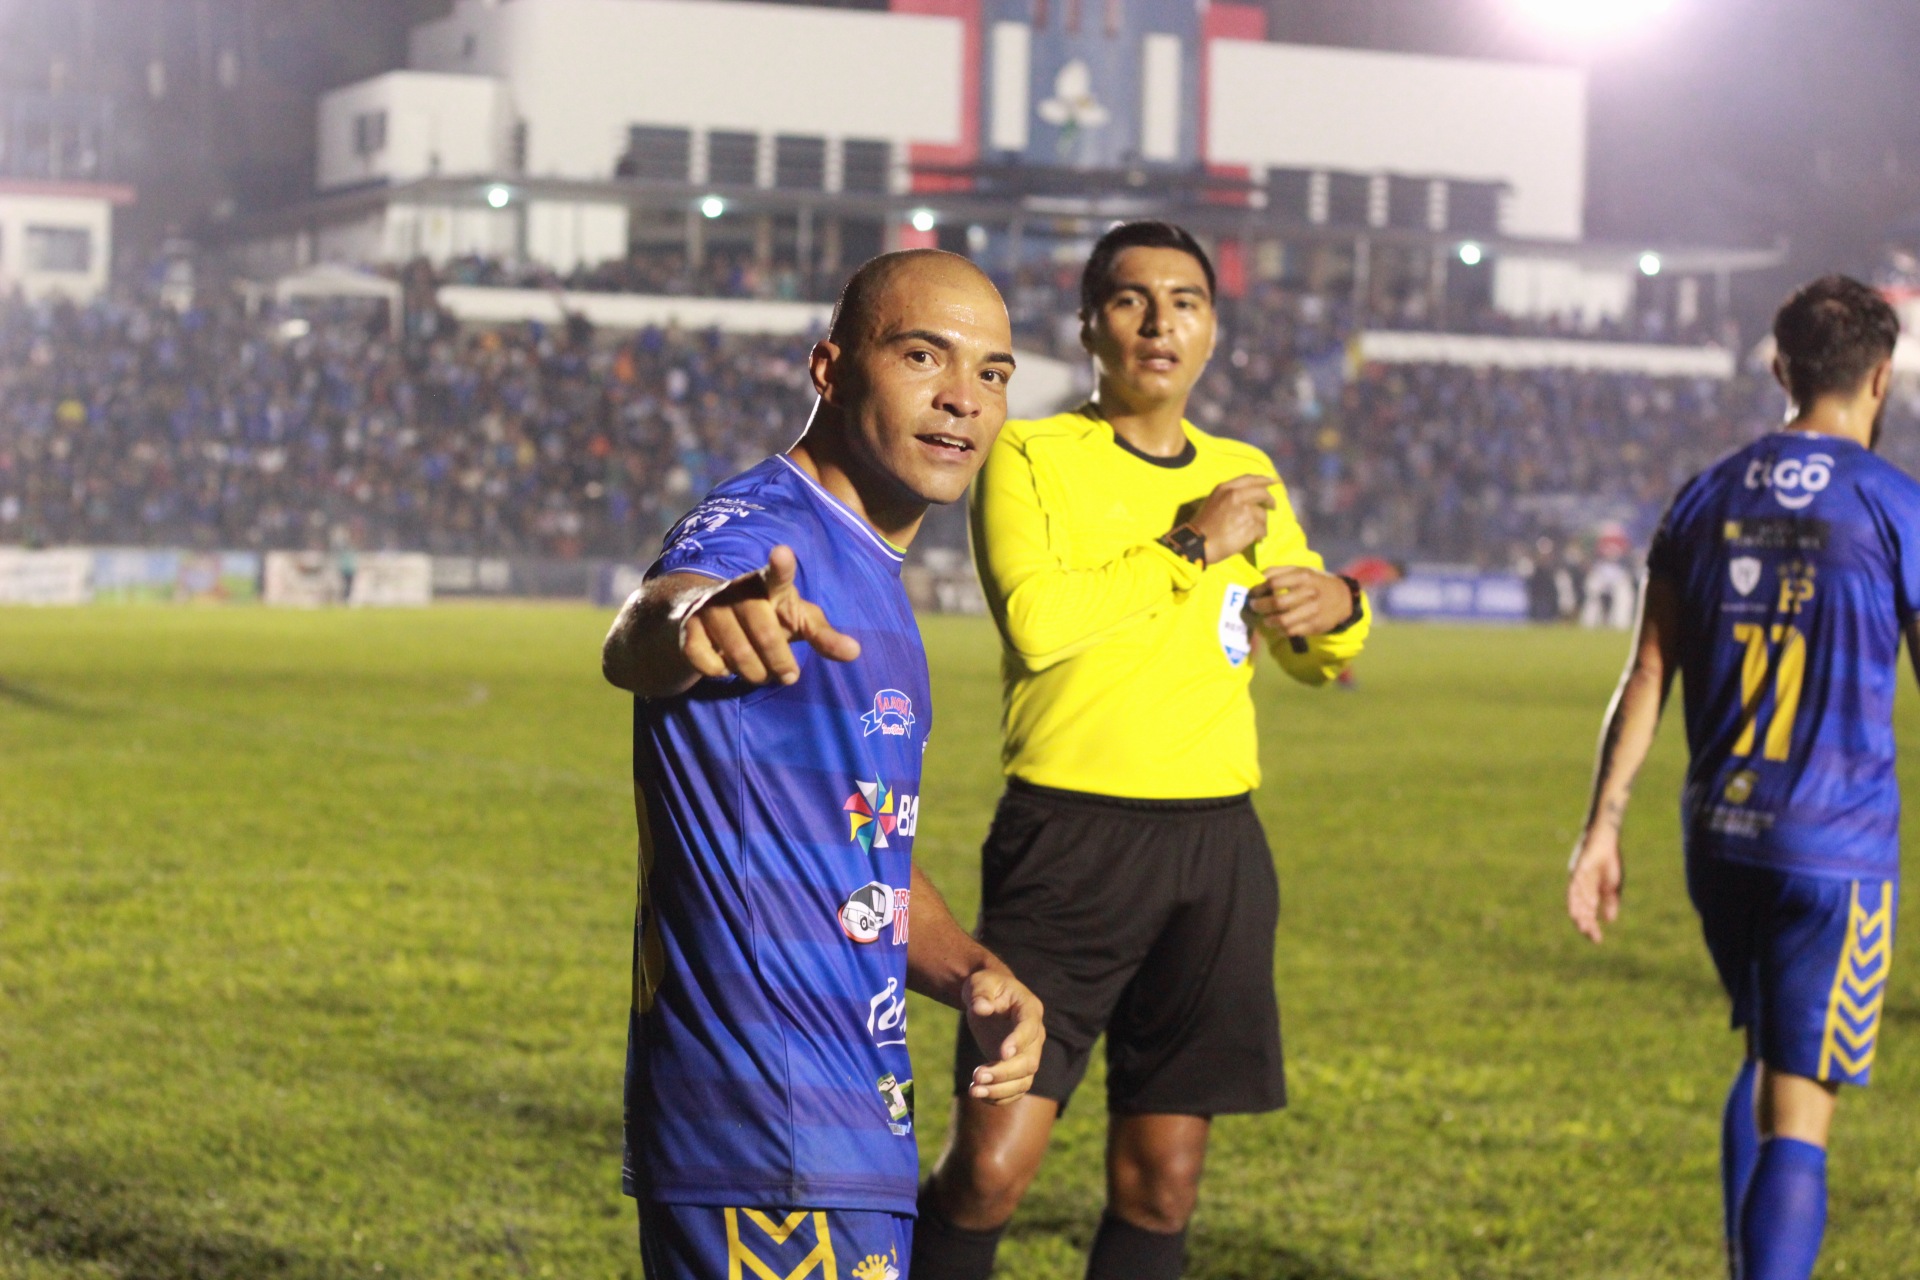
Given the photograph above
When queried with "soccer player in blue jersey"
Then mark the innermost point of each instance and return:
(782, 708)
(1779, 586)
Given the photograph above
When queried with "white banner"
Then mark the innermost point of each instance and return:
(390, 579)
(45, 577)
(1484, 352)
(304, 579)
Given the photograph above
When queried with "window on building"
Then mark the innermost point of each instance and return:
(655, 153)
(1349, 198)
(1473, 208)
(1407, 202)
(733, 159)
(370, 133)
(799, 163)
(864, 163)
(59, 249)
(1289, 193)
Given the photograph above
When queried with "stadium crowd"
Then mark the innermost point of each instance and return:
(128, 424)
(131, 425)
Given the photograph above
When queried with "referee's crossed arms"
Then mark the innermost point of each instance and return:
(1294, 601)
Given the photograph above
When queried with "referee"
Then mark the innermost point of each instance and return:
(1124, 554)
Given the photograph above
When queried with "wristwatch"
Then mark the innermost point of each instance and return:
(1359, 604)
(1186, 542)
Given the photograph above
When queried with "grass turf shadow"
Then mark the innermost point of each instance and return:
(1211, 1255)
(57, 1211)
(22, 695)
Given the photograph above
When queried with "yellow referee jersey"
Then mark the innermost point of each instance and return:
(1125, 666)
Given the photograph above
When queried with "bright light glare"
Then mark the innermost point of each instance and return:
(712, 207)
(498, 197)
(1649, 264)
(1592, 17)
(922, 220)
(1470, 254)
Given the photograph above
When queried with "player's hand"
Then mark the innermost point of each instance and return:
(1005, 1019)
(1597, 877)
(1297, 601)
(1234, 516)
(748, 627)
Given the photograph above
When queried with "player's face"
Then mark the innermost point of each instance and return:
(925, 392)
(1153, 333)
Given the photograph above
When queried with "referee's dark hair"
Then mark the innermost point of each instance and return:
(1830, 335)
(1148, 233)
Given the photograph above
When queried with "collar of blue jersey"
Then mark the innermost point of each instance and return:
(846, 514)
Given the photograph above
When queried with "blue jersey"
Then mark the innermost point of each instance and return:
(767, 1060)
(1797, 564)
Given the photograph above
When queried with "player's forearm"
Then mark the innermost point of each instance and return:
(1052, 614)
(941, 956)
(1625, 739)
(642, 653)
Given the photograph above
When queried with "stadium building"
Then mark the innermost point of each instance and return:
(797, 140)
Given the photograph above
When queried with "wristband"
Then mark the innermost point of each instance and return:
(1186, 542)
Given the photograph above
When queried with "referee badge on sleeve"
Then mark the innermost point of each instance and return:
(1234, 641)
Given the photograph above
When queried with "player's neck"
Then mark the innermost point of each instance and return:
(1157, 430)
(893, 514)
(1851, 418)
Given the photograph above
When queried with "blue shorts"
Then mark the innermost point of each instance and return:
(705, 1242)
(1805, 959)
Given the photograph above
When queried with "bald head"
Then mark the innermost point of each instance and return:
(877, 289)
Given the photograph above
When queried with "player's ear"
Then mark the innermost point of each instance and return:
(1881, 381)
(826, 364)
(1779, 367)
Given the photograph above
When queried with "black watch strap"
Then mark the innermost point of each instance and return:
(1186, 542)
(1359, 604)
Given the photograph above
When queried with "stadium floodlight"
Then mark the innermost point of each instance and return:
(498, 196)
(712, 207)
(1470, 254)
(1649, 264)
(922, 220)
(1592, 18)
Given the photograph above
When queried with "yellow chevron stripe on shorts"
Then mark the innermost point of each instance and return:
(1859, 990)
(739, 1256)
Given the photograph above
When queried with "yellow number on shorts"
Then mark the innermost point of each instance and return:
(1789, 674)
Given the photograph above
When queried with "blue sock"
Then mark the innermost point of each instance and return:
(1785, 1212)
(1739, 1146)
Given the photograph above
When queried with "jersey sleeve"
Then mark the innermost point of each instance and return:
(721, 538)
(1325, 657)
(1047, 611)
(1900, 508)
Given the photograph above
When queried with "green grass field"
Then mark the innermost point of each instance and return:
(314, 942)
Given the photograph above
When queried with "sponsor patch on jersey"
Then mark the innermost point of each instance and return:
(1740, 787)
(1794, 482)
(1745, 573)
(1776, 533)
(892, 715)
(873, 908)
(887, 1015)
(875, 813)
(1234, 641)
(898, 1095)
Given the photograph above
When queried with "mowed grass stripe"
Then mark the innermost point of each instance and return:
(314, 940)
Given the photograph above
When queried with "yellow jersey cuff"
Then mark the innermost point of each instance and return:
(1184, 572)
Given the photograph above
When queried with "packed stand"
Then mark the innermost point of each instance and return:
(131, 425)
(127, 424)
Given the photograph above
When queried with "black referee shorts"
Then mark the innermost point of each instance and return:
(1151, 921)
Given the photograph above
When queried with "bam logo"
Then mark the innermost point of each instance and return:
(743, 1261)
